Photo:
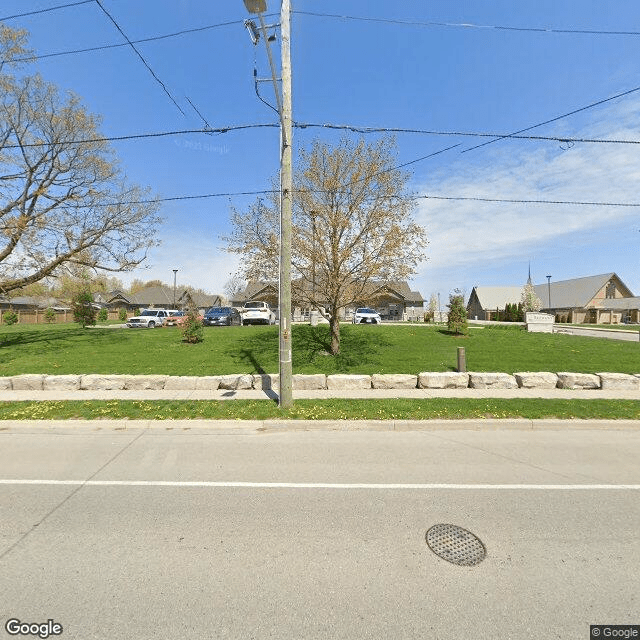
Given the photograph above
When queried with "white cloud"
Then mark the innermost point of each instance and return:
(467, 233)
(201, 262)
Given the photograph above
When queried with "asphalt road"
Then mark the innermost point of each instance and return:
(195, 534)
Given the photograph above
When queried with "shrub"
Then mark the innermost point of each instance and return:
(103, 315)
(10, 317)
(122, 314)
(457, 322)
(84, 312)
(192, 331)
(49, 315)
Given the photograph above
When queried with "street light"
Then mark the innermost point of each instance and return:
(285, 397)
(175, 271)
(549, 289)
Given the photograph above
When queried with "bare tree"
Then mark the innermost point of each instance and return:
(352, 228)
(63, 203)
(234, 286)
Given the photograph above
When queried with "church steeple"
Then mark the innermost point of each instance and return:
(529, 278)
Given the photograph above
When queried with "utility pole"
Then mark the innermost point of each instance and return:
(286, 207)
(286, 181)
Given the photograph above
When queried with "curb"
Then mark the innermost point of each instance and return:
(246, 427)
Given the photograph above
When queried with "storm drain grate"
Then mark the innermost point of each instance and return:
(456, 545)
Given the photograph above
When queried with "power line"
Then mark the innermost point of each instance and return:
(555, 119)
(474, 134)
(146, 64)
(468, 25)
(126, 44)
(161, 134)
(347, 127)
(418, 197)
(32, 13)
(521, 201)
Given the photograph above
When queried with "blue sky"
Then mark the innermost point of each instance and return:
(442, 77)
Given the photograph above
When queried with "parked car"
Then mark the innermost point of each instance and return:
(257, 312)
(364, 315)
(182, 317)
(222, 316)
(150, 318)
(174, 318)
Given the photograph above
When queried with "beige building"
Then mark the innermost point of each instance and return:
(393, 301)
(601, 299)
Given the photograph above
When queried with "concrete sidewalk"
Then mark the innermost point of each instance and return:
(322, 394)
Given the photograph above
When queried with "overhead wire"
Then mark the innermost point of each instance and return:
(146, 64)
(467, 25)
(126, 44)
(556, 118)
(33, 13)
(417, 197)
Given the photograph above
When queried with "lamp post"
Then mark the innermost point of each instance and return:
(175, 271)
(549, 290)
(285, 397)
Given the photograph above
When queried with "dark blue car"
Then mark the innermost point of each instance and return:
(221, 316)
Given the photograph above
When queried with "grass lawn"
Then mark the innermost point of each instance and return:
(388, 409)
(60, 349)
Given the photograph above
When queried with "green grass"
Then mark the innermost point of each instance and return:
(389, 409)
(60, 349)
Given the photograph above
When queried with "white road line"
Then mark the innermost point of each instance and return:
(324, 485)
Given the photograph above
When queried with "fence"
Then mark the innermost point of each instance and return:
(38, 316)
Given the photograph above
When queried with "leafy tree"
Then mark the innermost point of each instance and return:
(103, 315)
(192, 329)
(352, 228)
(529, 299)
(457, 322)
(49, 316)
(84, 313)
(122, 314)
(62, 203)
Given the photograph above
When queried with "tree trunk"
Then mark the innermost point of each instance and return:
(334, 326)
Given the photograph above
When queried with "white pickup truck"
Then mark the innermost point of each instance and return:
(150, 318)
(257, 312)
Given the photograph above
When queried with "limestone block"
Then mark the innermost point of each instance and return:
(28, 382)
(208, 383)
(443, 380)
(619, 381)
(492, 381)
(266, 381)
(344, 382)
(142, 383)
(309, 382)
(394, 381)
(5, 383)
(236, 382)
(568, 380)
(61, 383)
(536, 380)
(180, 383)
(99, 382)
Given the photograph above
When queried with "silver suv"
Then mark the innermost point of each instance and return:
(150, 318)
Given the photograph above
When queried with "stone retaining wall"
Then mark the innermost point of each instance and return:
(266, 382)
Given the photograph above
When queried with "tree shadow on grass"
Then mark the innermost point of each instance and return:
(311, 346)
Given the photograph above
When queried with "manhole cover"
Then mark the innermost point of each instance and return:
(456, 545)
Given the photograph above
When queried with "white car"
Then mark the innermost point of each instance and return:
(150, 318)
(257, 312)
(364, 315)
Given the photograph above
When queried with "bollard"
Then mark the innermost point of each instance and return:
(462, 360)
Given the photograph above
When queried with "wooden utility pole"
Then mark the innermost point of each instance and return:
(286, 207)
